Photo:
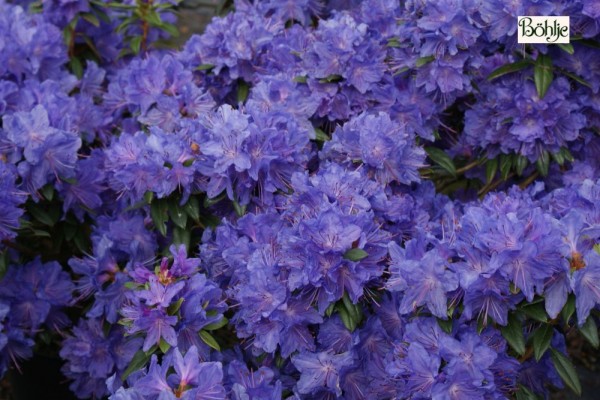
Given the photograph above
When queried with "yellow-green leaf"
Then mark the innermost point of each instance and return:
(209, 340)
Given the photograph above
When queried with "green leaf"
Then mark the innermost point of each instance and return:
(568, 309)
(331, 78)
(204, 67)
(568, 47)
(132, 285)
(216, 325)
(124, 52)
(153, 18)
(520, 164)
(543, 163)
(509, 69)
(36, 7)
(91, 18)
(525, 394)
(70, 231)
(158, 212)
(126, 22)
(354, 310)
(491, 168)
(242, 93)
(81, 242)
(181, 236)
(98, 10)
(393, 42)
(442, 159)
(40, 233)
(48, 192)
(424, 60)
(177, 214)
(169, 28)
(446, 325)
(118, 5)
(536, 312)
(597, 248)
(345, 317)
(76, 67)
(330, 309)
(148, 197)
(41, 215)
(210, 202)
(566, 370)
(567, 154)
(576, 78)
(239, 209)
(589, 330)
(321, 136)
(355, 254)
(506, 162)
(541, 340)
(174, 307)
(513, 333)
(139, 360)
(400, 71)
(3, 263)
(163, 346)
(558, 157)
(300, 79)
(135, 44)
(209, 340)
(68, 35)
(192, 208)
(542, 74)
(590, 43)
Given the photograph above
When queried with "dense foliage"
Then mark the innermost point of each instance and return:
(312, 200)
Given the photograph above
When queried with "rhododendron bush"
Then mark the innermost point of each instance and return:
(311, 200)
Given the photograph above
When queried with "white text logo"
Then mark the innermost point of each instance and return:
(536, 29)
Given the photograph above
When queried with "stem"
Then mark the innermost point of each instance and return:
(527, 355)
(18, 247)
(145, 36)
(488, 188)
(529, 179)
(468, 167)
(71, 50)
(145, 25)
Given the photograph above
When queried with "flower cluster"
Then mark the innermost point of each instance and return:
(192, 379)
(10, 200)
(32, 296)
(509, 116)
(172, 304)
(264, 213)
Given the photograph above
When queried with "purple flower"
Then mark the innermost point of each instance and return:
(253, 384)
(586, 286)
(35, 290)
(187, 368)
(384, 146)
(49, 152)
(155, 323)
(469, 355)
(424, 369)
(521, 122)
(428, 279)
(320, 371)
(158, 294)
(154, 384)
(92, 356)
(10, 200)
